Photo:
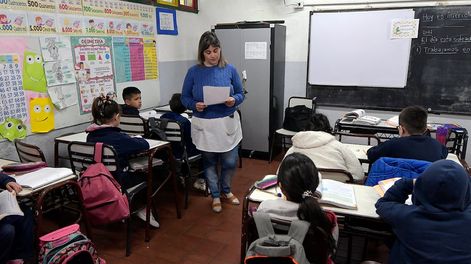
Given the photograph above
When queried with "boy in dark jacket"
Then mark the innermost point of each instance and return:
(435, 228)
(132, 101)
(16, 232)
(412, 143)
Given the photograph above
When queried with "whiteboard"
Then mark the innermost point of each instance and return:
(355, 49)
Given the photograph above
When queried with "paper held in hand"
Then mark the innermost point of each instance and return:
(215, 94)
(9, 204)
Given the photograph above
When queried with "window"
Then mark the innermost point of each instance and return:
(184, 5)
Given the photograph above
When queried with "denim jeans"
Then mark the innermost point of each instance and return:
(16, 236)
(228, 162)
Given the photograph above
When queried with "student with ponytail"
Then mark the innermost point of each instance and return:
(298, 179)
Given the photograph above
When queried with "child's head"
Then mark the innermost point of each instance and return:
(105, 111)
(412, 121)
(176, 104)
(132, 97)
(319, 122)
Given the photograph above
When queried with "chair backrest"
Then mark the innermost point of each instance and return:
(355, 138)
(28, 152)
(308, 102)
(81, 156)
(174, 132)
(133, 125)
(336, 174)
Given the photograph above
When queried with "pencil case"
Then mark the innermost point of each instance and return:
(266, 182)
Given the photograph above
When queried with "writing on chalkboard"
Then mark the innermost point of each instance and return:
(438, 77)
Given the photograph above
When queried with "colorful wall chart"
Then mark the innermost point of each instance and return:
(13, 22)
(150, 59)
(11, 88)
(136, 52)
(122, 64)
(93, 68)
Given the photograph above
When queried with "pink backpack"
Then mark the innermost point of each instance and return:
(67, 246)
(102, 195)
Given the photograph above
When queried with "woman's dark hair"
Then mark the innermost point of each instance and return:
(319, 122)
(210, 39)
(299, 179)
(176, 104)
(104, 108)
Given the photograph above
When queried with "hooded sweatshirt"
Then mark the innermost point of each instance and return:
(436, 227)
(326, 152)
(124, 145)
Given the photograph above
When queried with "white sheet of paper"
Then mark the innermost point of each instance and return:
(215, 94)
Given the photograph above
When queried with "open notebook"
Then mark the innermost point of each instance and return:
(332, 192)
(42, 177)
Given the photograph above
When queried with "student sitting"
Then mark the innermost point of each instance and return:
(132, 101)
(412, 143)
(326, 152)
(16, 232)
(435, 228)
(298, 179)
(105, 128)
(177, 109)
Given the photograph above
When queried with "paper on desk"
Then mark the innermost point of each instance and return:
(42, 177)
(215, 94)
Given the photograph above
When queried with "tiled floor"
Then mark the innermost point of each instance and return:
(200, 236)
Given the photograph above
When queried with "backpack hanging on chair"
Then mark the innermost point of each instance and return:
(297, 118)
(157, 128)
(271, 248)
(102, 196)
(67, 246)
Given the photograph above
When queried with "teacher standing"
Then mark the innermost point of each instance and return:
(215, 129)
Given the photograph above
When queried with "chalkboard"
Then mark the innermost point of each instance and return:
(439, 75)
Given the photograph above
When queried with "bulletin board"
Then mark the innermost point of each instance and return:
(57, 55)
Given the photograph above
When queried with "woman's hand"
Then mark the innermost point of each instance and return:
(200, 106)
(230, 102)
(13, 186)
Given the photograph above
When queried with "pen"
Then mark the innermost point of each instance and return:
(275, 194)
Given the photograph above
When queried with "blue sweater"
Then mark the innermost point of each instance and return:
(186, 126)
(199, 76)
(4, 179)
(435, 228)
(129, 110)
(411, 147)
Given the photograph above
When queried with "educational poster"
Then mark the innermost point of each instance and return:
(147, 29)
(41, 115)
(122, 64)
(33, 72)
(93, 68)
(136, 54)
(59, 72)
(63, 96)
(69, 7)
(55, 48)
(404, 28)
(13, 22)
(93, 8)
(132, 28)
(131, 11)
(70, 24)
(42, 23)
(42, 5)
(11, 88)
(14, 4)
(115, 27)
(95, 26)
(150, 59)
(117, 9)
(146, 13)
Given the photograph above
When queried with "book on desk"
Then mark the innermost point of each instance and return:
(42, 177)
(331, 192)
(359, 117)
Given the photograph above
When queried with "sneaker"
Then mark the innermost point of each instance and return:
(200, 184)
(216, 205)
(230, 198)
(142, 215)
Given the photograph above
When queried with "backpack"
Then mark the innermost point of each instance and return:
(67, 246)
(157, 128)
(274, 248)
(102, 195)
(297, 118)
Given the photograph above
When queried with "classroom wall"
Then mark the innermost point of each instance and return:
(176, 54)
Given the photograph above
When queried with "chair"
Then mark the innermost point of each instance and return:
(133, 125)
(81, 156)
(336, 174)
(286, 134)
(28, 152)
(174, 133)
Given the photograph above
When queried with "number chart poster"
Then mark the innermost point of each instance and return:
(93, 68)
(11, 88)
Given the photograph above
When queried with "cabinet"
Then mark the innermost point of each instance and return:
(259, 50)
